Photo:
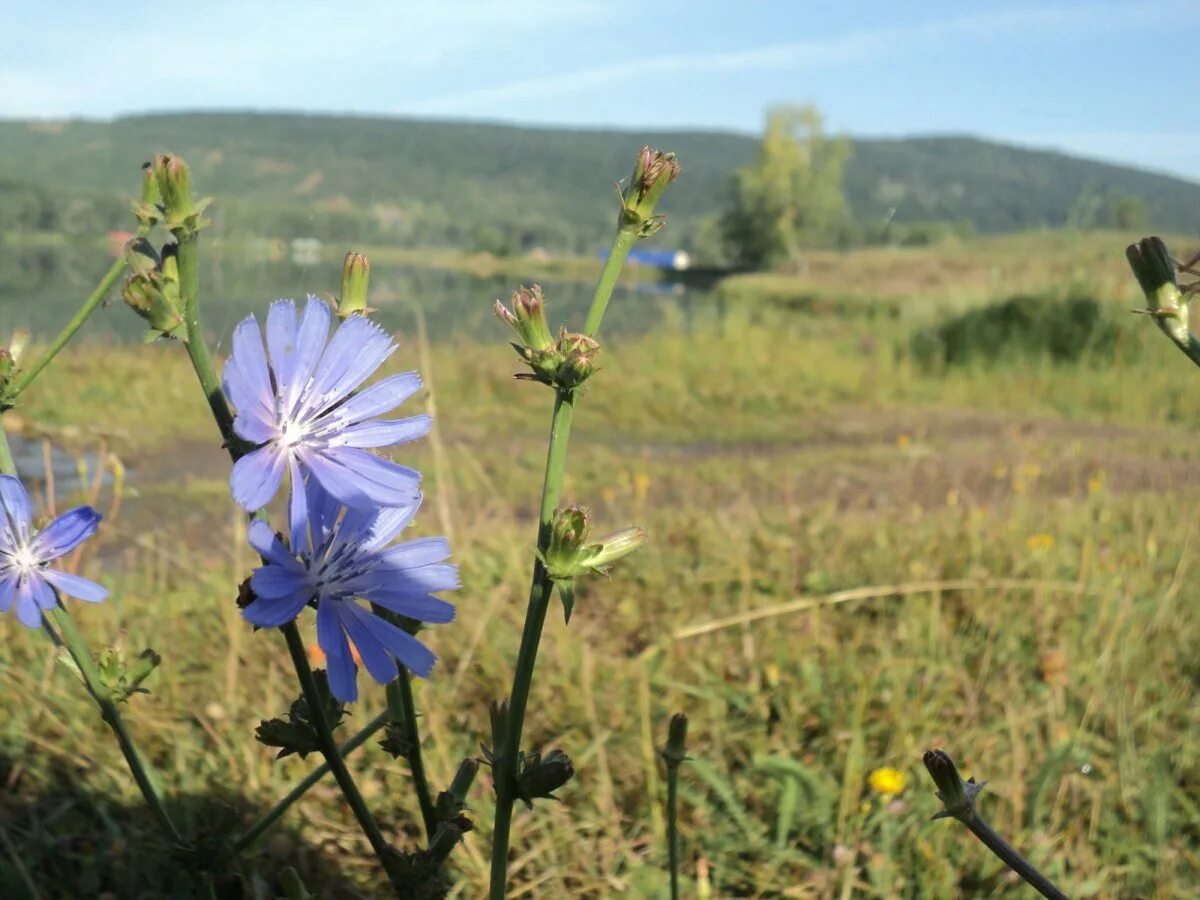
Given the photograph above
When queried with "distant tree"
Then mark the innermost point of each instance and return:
(791, 196)
(1126, 212)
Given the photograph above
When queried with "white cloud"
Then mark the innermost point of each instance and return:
(854, 47)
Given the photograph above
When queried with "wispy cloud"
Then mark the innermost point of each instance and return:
(857, 46)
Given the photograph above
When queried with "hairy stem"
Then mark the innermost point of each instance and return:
(81, 315)
(540, 593)
(329, 749)
(403, 710)
(259, 828)
(68, 636)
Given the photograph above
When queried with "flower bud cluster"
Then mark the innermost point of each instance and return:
(167, 197)
(564, 363)
(570, 553)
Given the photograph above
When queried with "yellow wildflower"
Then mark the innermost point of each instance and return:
(1040, 541)
(887, 781)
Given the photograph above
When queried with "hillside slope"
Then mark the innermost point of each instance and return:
(457, 183)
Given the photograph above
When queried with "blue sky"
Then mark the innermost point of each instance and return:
(1111, 80)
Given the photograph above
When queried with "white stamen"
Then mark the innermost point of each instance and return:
(24, 560)
(292, 434)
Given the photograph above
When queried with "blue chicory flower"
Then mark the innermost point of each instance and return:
(24, 555)
(339, 556)
(296, 402)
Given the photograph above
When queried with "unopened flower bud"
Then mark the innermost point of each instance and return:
(121, 679)
(146, 208)
(570, 530)
(957, 796)
(675, 752)
(1155, 271)
(577, 352)
(141, 257)
(174, 180)
(356, 274)
(528, 318)
(541, 776)
(147, 295)
(652, 172)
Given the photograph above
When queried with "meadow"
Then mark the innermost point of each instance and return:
(855, 555)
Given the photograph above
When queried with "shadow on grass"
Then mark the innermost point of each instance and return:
(60, 839)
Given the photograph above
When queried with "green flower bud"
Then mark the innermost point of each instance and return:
(1155, 271)
(151, 297)
(528, 319)
(570, 554)
(540, 776)
(146, 209)
(676, 750)
(957, 796)
(577, 354)
(356, 274)
(141, 257)
(121, 679)
(652, 172)
(174, 178)
(452, 801)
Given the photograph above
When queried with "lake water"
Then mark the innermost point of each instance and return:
(40, 289)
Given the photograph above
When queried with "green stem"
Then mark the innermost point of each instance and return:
(622, 244)
(329, 750)
(673, 827)
(1011, 858)
(8, 465)
(272, 816)
(403, 710)
(541, 588)
(540, 593)
(189, 288)
(89, 306)
(69, 637)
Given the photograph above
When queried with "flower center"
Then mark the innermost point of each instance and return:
(24, 560)
(292, 434)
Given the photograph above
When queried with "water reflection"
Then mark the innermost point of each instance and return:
(41, 287)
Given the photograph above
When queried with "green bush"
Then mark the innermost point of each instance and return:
(1065, 329)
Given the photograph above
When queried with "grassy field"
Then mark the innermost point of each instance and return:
(854, 557)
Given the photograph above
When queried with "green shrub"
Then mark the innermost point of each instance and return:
(1066, 329)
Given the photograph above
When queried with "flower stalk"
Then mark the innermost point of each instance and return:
(402, 710)
(652, 173)
(329, 749)
(958, 798)
(69, 637)
(64, 633)
(674, 754)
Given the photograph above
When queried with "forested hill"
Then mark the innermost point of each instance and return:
(469, 184)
